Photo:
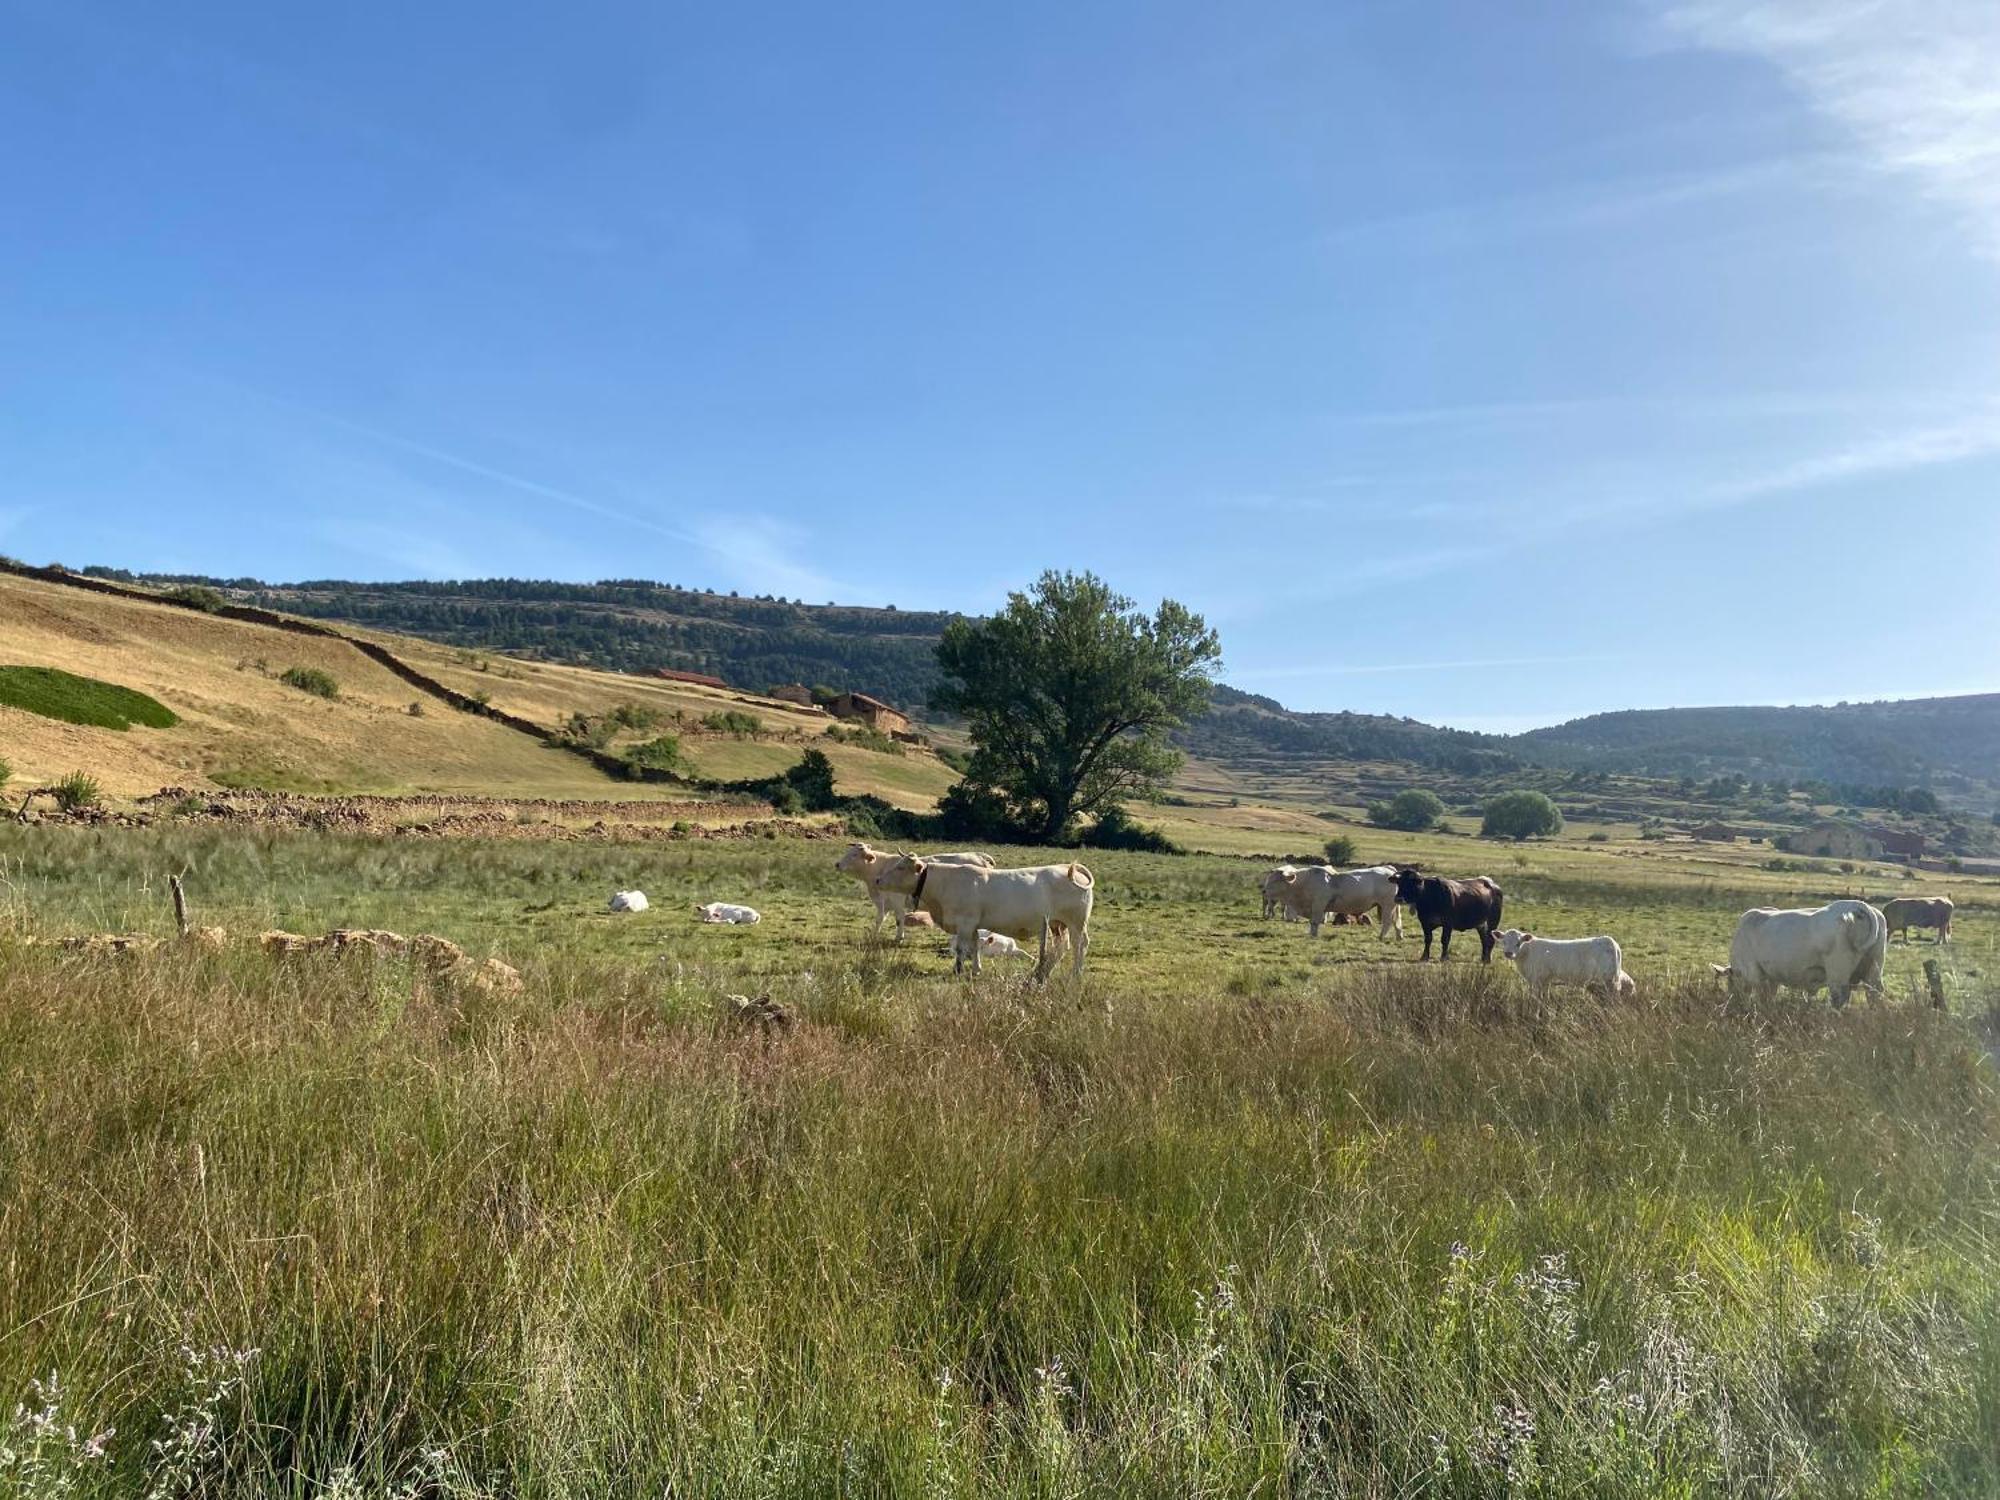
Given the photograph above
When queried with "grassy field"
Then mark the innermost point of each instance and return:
(1242, 1214)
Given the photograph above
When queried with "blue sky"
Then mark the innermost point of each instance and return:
(1487, 364)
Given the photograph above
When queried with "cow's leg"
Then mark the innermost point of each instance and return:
(1079, 945)
(1486, 945)
(1425, 956)
(1385, 913)
(1444, 944)
(1313, 919)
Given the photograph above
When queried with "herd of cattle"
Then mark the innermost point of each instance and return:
(991, 911)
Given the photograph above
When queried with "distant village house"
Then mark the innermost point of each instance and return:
(1833, 841)
(873, 712)
(792, 692)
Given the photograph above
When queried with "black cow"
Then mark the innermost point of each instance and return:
(1455, 905)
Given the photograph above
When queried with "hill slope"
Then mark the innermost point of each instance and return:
(1949, 744)
(240, 725)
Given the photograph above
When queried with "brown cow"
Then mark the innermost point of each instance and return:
(1454, 905)
(1905, 912)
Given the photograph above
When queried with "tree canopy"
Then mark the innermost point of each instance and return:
(1521, 815)
(1413, 811)
(1069, 693)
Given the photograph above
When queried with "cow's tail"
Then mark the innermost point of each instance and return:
(1078, 875)
(1498, 897)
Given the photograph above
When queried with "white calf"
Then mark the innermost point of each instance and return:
(723, 911)
(1594, 962)
(629, 901)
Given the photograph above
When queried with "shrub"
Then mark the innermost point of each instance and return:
(78, 789)
(632, 716)
(865, 738)
(1340, 850)
(311, 680)
(1521, 815)
(662, 753)
(1599, 837)
(1412, 811)
(196, 596)
(977, 813)
(785, 797)
(812, 779)
(1115, 829)
(56, 694)
(416, 709)
(733, 721)
(6, 771)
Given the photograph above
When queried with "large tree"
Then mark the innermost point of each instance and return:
(1070, 692)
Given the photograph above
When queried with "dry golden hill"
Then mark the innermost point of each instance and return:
(242, 726)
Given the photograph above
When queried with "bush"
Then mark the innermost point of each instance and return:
(734, 721)
(196, 596)
(785, 798)
(1114, 829)
(1521, 815)
(812, 779)
(631, 716)
(1599, 837)
(6, 772)
(78, 789)
(1413, 811)
(1340, 851)
(977, 814)
(865, 738)
(56, 694)
(416, 709)
(311, 680)
(659, 754)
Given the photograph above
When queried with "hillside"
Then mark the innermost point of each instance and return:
(629, 626)
(234, 722)
(1951, 745)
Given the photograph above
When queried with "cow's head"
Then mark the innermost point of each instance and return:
(856, 860)
(901, 874)
(1512, 940)
(1408, 883)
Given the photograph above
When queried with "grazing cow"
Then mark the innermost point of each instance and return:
(1454, 905)
(1838, 945)
(1274, 887)
(628, 901)
(1905, 912)
(865, 864)
(724, 911)
(1038, 902)
(1318, 891)
(1597, 963)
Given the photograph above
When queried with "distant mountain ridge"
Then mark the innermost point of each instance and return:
(1951, 745)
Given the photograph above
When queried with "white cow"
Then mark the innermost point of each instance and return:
(1318, 891)
(629, 901)
(724, 911)
(1273, 885)
(1838, 945)
(999, 945)
(1597, 963)
(1036, 902)
(866, 864)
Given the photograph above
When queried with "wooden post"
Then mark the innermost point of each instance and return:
(1935, 979)
(180, 904)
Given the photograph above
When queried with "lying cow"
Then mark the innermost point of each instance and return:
(628, 901)
(724, 911)
(1838, 945)
(1905, 912)
(1596, 963)
(1453, 905)
(1040, 902)
(1317, 892)
(865, 864)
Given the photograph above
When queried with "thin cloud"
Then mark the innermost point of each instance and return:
(1378, 669)
(1915, 83)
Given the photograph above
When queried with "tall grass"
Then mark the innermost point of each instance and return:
(1394, 1234)
(1245, 1213)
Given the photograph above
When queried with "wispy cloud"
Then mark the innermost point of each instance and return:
(1275, 674)
(1889, 453)
(1916, 83)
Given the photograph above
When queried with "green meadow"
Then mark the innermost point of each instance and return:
(1239, 1214)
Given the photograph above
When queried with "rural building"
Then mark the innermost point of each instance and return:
(1714, 833)
(792, 692)
(1896, 841)
(697, 678)
(873, 712)
(1833, 841)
